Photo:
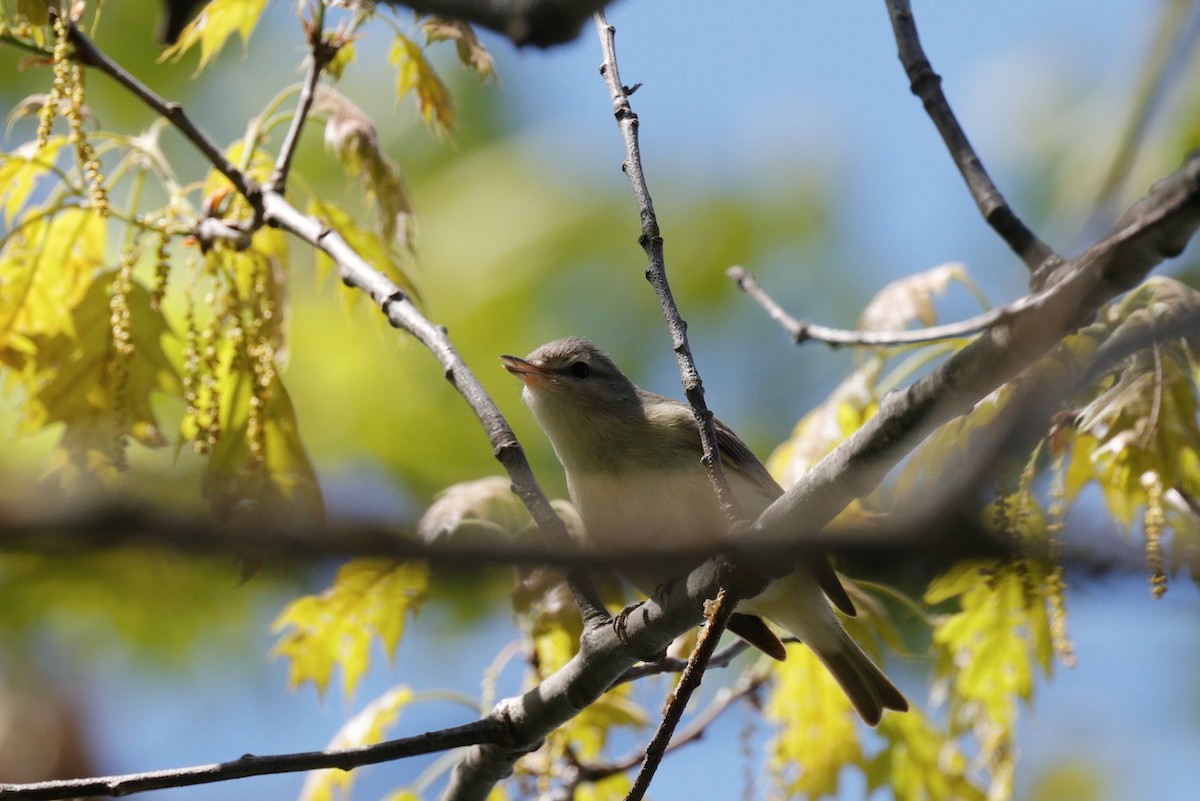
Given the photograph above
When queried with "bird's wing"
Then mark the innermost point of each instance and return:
(739, 459)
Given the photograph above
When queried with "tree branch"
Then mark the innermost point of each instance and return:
(320, 54)
(927, 85)
(802, 330)
(89, 55)
(718, 614)
(1156, 228)
(487, 730)
(656, 271)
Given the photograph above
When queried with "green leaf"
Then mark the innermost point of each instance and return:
(369, 598)
(368, 727)
(219, 20)
(817, 736)
(21, 170)
(415, 74)
(82, 392)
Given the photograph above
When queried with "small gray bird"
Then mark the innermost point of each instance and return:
(632, 460)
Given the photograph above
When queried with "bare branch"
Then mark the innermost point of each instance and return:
(746, 685)
(802, 331)
(656, 271)
(486, 730)
(320, 54)
(718, 614)
(927, 85)
(89, 55)
(1156, 228)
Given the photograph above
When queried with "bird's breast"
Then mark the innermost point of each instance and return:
(645, 512)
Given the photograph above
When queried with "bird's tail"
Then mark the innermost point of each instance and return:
(796, 603)
(868, 689)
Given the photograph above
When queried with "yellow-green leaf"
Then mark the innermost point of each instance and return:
(20, 171)
(371, 245)
(219, 20)
(281, 483)
(369, 598)
(817, 735)
(368, 727)
(470, 52)
(415, 74)
(920, 762)
(82, 391)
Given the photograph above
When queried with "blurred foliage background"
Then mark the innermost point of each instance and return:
(826, 182)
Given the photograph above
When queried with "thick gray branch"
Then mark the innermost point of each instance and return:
(1156, 228)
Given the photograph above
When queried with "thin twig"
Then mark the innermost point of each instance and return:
(486, 730)
(726, 697)
(656, 271)
(91, 56)
(718, 616)
(927, 85)
(802, 330)
(320, 54)
(670, 664)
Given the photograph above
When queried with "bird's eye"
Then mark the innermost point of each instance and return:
(580, 370)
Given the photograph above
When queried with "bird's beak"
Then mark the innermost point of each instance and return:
(529, 373)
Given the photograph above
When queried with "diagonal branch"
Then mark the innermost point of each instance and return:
(656, 270)
(481, 731)
(321, 53)
(89, 55)
(927, 85)
(1156, 228)
(718, 617)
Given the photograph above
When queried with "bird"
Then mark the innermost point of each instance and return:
(634, 474)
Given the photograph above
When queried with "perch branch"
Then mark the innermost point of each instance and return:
(1156, 228)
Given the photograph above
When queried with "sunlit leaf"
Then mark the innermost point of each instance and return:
(219, 20)
(46, 266)
(371, 245)
(369, 598)
(21, 170)
(82, 393)
(920, 762)
(368, 727)
(816, 736)
(470, 52)
(415, 74)
(477, 511)
(988, 650)
(350, 135)
(910, 299)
